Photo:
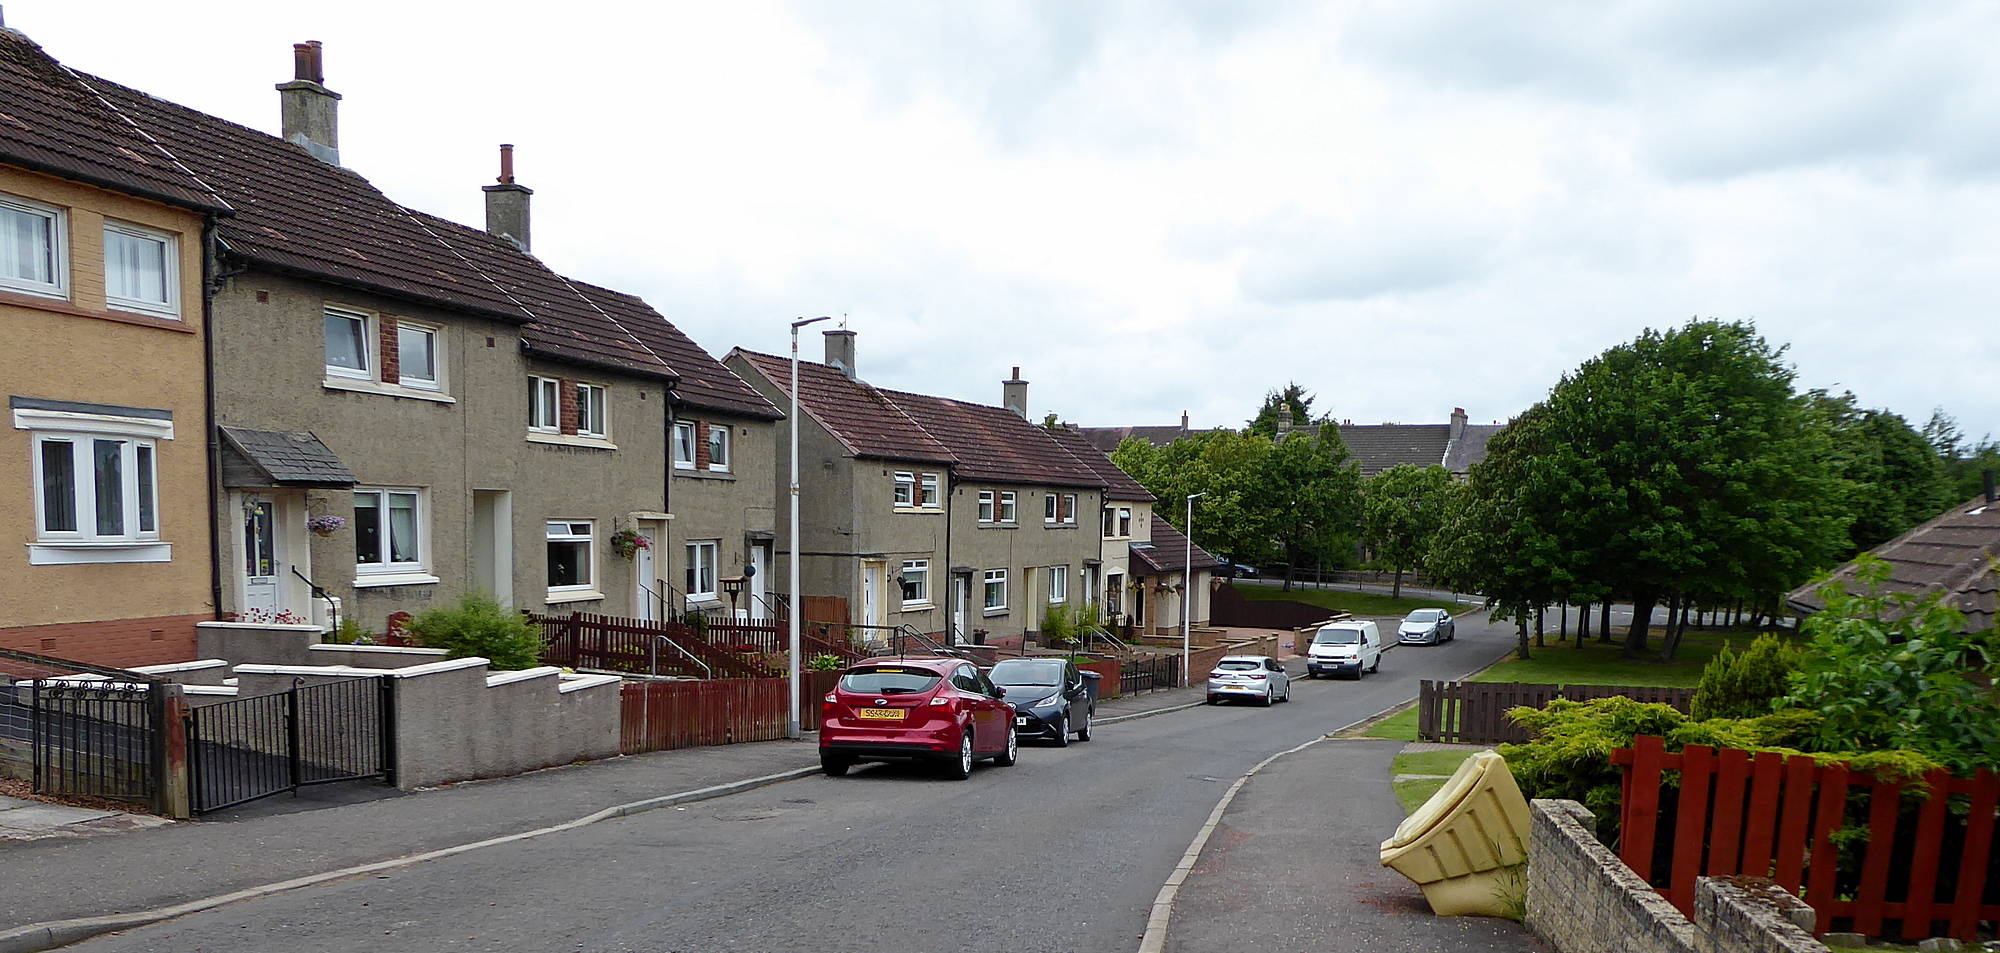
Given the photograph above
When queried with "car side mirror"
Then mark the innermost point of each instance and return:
(999, 691)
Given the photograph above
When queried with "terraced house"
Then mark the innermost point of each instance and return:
(957, 519)
(407, 408)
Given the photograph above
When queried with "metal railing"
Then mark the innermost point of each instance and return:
(1142, 673)
(87, 729)
(654, 667)
(250, 748)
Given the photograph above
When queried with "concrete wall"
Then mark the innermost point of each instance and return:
(80, 350)
(248, 643)
(1583, 899)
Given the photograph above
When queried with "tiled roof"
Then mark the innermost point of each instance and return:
(704, 381)
(1118, 485)
(1953, 553)
(1107, 439)
(1377, 447)
(52, 121)
(865, 421)
(1470, 448)
(1168, 550)
(992, 443)
(289, 458)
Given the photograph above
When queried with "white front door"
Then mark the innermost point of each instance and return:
(645, 575)
(263, 558)
(873, 581)
(760, 580)
(958, 630)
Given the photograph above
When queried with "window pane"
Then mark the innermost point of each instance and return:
(416, 354)
(368, 528)
(596, 406)
(135, 267)
(27, 246)
(684, 444)
(144, 466)
(108, 458)
(403, 528)
(257, 541)
(58, 486)
(569, 563)
(718, 445)
(344, 346)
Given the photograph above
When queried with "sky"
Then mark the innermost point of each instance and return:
(1153, 206)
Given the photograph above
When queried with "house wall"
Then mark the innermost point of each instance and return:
(1029, 544)
(270, 374)
(729, 507)
(1117, 550)
(77, 350)
(881, 530)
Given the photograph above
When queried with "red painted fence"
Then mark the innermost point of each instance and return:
(658, 716)
(1858, 848)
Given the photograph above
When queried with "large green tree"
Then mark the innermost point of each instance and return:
(1890, 477)
(1965, 461)
(1291, 404)
(1498, 537)
(1402, 509)
(1312, 493)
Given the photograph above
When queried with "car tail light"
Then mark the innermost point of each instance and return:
(940, 702)
(831, 700)
(1258, 677)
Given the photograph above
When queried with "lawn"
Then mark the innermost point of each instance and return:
(1597, 664)
(1401, 726)
(1414, 791)
(1359, 603)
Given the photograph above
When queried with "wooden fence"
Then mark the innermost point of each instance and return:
(1476, 712)
(657, 716)
(712, 650)
(1866, 850)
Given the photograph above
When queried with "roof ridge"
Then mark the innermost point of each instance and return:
(143, 133)
(750, 355)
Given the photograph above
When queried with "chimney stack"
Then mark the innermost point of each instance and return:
(507, 203)
(309, 111)
(1458, 423)
(1184, 423)
(1014, 395)
(1992, 494)
(840, 351)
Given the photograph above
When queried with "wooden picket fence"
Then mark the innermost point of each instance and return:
(1927, 861)
(658, 716)
(1476, 712)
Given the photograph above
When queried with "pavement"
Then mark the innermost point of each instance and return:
(23, 819)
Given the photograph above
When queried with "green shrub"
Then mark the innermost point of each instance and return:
(1058, 627)
(350, 632)
(480, 626)
(825, 662)
(1743, 685)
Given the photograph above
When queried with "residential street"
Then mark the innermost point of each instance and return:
(1063, 852)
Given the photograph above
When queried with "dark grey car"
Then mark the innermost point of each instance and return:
(1052, 698)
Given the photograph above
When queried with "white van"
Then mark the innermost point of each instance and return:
(1345, 648)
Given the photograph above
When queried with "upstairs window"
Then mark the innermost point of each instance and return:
(930, 490)
(1124, 521)
(906, 489)
(1007, 506)
(33, 248)
(683, 444)
(718, 447)
(417, 356)
(347, 344)
(141, 270)
(986, 506)
(1110, 523)
(544, 405)
(1049, 508)
(1066, 513)
(590, 410)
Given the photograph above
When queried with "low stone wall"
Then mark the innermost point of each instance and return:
(1583, 899)
(256, 643)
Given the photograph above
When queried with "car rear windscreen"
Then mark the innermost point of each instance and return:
(889, 680)
(1239, 665)
(1337, 637)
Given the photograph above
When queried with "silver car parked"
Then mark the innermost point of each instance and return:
(1426, 627)
(1258, 678)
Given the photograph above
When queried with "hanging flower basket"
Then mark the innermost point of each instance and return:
(627, 543)
(324, 526)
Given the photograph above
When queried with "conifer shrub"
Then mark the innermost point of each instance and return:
(1744, 684)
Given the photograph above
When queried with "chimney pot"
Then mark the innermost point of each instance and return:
(506, 163)
(507, 203)
(310, 112)
(1014, 395)
(840, 351)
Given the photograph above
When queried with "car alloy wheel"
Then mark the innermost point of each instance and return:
(960, 768)
(1013, 752)
(1270, 695)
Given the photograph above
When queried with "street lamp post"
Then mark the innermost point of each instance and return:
(792, 608)
(1187, 590)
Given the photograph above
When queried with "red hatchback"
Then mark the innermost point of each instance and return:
(930, 709)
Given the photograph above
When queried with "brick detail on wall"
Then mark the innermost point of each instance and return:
(392, 350)
(566, 405)
(701, 459)
(116, 642)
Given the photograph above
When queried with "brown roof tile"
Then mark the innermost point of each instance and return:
(1953, 554)
(53, 121)
(1167, 551)
(704, 381)
(865, 421)
(1118, 485)
(992, 443)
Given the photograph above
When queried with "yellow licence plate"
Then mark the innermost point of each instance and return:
(882, 713)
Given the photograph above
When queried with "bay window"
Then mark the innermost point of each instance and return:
(95, 481)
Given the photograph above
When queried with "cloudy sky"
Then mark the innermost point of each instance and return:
(1154, 206)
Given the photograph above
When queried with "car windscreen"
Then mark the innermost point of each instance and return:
(1240, 665)
(1042, 674)
(889, 680)
(1337, 637)
(1425, 615)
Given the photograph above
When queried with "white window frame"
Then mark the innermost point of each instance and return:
(1109, 524)
(593, 423)
(1069, 505)
(169, 270)
(387, 571)
(1009, 511)
(930, 494)
(702, 557)
(1124, 522)
(684, 428)
(565, 531)
(544, 403)
(719, 437)
(403, 378)
(906, 490)
(58, 233)
(1058, 585)
(80, 430)
(921, 568)
(369, 359)
(1049, 509)
(988, 583)
(987, 506)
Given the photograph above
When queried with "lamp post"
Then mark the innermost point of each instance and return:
(1187, 589)
(792, 609)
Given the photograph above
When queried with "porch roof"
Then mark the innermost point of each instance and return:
(280, 458)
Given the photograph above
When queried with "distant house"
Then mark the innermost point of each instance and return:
(957, 519)
(1953, 554)
(1456, 445)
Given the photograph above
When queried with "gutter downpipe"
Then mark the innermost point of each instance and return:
(211, 280)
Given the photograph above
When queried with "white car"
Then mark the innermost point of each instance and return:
(1257, 678)
(1344, 648)
(1426, 627)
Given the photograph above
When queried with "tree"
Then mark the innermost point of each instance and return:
(1965, 464)
(1498, 538)
(1402, 509)
(1890, 476)
(1290, 403)
(1311, 492)
(1224, 466)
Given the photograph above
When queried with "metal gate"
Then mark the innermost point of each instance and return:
(255, 747)
(83, 729)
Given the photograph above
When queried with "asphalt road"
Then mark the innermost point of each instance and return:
(1062, 852)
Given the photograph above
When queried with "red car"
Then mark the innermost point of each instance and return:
(924, 709)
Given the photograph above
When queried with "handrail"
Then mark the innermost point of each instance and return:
(653, 665)
(907, 631)
(1093, 633)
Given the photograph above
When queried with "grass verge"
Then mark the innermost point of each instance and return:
(1359, 603)
(1436, 765)
(1401, 726)
(1594, 663)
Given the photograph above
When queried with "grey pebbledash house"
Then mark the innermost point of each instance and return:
(957, 519)
(408, 408)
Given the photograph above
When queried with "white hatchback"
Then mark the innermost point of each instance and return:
(1257, 678)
